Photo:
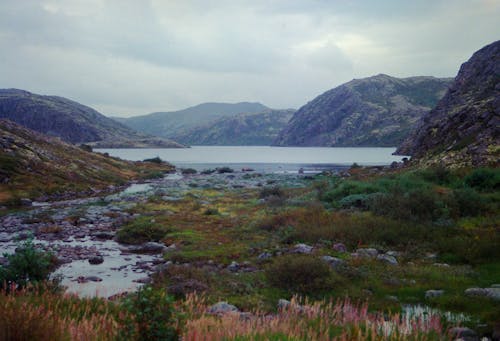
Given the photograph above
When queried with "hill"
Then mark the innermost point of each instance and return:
(68, 120)
(375, 111)
(35, 165)
(463, 129)
(170, 124)
(241, 130)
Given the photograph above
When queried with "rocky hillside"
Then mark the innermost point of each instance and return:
(68, 120)
(35, 165)
(463, 129)
(170, 124)
(375, 111)
(241, 130)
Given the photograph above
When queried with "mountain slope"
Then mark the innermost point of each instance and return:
(170, 124)
(375, 111)
(241, 130)
(464, 128)
(33, 165)
(69, 120)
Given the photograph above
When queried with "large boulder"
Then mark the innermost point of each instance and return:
(221, 308)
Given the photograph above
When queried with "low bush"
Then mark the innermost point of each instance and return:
(141, 230)
(484, 179)
(27, 265)
(151, 316)
(275, 191)
(300, 274)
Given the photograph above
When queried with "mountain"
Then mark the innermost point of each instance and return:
(68, 120)
(170, 124)
(464, 127)
(375, 111)
(33, 165)
(241, 130)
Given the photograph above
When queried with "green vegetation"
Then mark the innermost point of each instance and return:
(28, 265)
(238, 245)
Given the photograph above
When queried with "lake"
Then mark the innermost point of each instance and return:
(263, 158)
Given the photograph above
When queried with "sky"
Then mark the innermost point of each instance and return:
(127, 58)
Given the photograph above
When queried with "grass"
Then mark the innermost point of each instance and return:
(462, 230)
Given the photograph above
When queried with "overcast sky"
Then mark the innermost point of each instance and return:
(134, 57)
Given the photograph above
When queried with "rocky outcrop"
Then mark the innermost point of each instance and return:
(375, 111)
(70, 121)
(33, 165)
(259, 129)
(463, 128)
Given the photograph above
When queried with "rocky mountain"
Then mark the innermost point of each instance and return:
(241, 130)
(33, 165)
(68, 120)
(375, 111)
(170, 124)
(464, 127)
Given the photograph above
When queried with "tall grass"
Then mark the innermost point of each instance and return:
(333, 320)
(38, 314)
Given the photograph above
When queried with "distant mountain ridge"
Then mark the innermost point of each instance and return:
(174, 123)
(68, 120)
(259, 129)
(374, 111)
(464, 128)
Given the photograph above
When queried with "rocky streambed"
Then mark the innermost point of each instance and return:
(81, 232)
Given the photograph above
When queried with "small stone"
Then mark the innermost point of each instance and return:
(339, 247)
(25, 202)
(387, 259)
(433, 293)
(233, 267)
(334, 262)
(302, 248)
(264, 255)
(221, 308)
(367, 252)
(493, 293)
(283, 304)
(95, 260)
(462, 333)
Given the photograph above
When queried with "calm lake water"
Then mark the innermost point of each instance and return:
(261, 158)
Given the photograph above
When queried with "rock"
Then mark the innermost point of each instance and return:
(221, 308)
(234, 266)
(334, 262)
(462, 333)
(367, 253)
(187, 287)
(387, 259)
(339, 247)
(495, 286)
(441, 265)
(149, 247)
(392, 298)
(96, 260)
(283, 304)
(143, 280)
(106, 235)
(302, 248)
(493, 293)
(170, 248)
(25, 202)
(264, 255)
(433, 293)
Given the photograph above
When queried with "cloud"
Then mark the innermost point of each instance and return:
(132, 57)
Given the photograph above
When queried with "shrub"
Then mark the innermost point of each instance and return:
(27, 265)
(140, 230)
(484, 179)
(152, 316)
(275, 191)
(467, 203)
(300, 274)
